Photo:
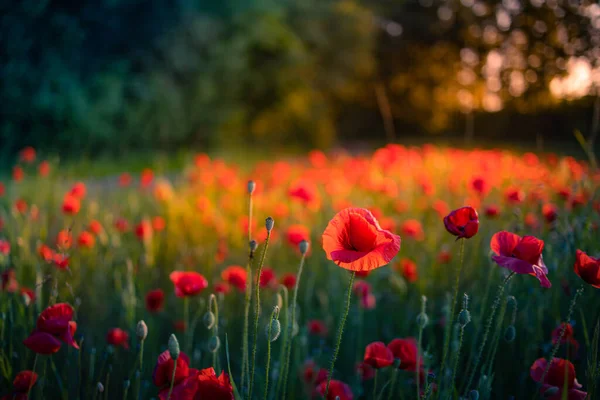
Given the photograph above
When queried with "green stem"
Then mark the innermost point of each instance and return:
(457, 358)
(186, 323)
(32, 375)
(340, 332)
(488, 325)
(284, 345)
(375, 384)
(290, 328)
(393, 384)
(273, 316)
(247, 299)
(140, 370)
(172, 380)
(257, 312)
(453, 309)
(213, 302)
(419, 343)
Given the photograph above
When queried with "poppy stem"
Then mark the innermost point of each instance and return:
(213, 300)
(186, 321)
(282, 354)
(562, 332)
(419, 343)
(247, 299)
(290, 327)
(257, 311)
(172, 380)
(274, 315)
(375, 383)
(488, 325)
(139, 374)
(32, 375)
(340, 332)
(453, 310)
(393, 383)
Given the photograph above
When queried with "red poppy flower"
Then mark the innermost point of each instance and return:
(118, 337)
(561, 375)
(27, 155)
(60, 260)
(44, 169)
(9, 280)
(4, 247)
(406, 351)
(362, 288)
(222, 287)
(158, 223)
(316, 327)
(337, 390)
(122, 225)
(296, 234)
(354, 240)
(64, 239)
(378, 355)
(365, 371)
(531, 221)
(368, 301)
(408, 268)
(362, 274)
(267, 278)
(312, 374)
(22, 383)
(28, 293)
(444, 257)
(289, 281)
(155, 300)
(95, 227)
(462, 222)
(186, 389)
(304, 191)
(180, 326)
(78, 190)
(53, 323)
(568, 336)
(86, 240)
(522, 255)
(413, 228)
(188, 283)
(212, 387)
(550, 212)
(124, 179)
(480, 186)
(163, 371)
(514, 195)
(21, 206)
(46, 253)
(146, 177)
(143, 230)
(236, 276)
(587, 268)
(492, 211)
(18, 174)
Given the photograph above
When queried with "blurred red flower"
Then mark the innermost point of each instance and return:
(337, 390)
(365, 371)
(354, 240)
(22, 384)
(236, 276)
(317, 327)
(27, 155)
(408, 268)
(155, 300)
(118, 337)
(377, 355)
(18, 174)
(222, 287)
(146, 177)
(312, 375)
(44, 168)
(462, 222)
(53, 323)
(158, 223)
(492, 211)
(587, 268)
(188, 283)
(124, 179)
(143, 230)
(95, 227)
(522, 255)
(560, 375)
(9, 280)
(268, 278)
(296, 234)
(406, 351)
(514, 195)
(4, 247)
(288, 280)
(163, 370)
(413, 228)
(568, 336)
(86, 240)
(122, 225)
(78, 190)
(550, 212)
(71, 205)
(212, 387)
(64, 239)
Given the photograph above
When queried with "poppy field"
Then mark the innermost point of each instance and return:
(405, 273)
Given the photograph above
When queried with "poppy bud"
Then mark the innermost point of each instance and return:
(197, 355)
(510, 333)
(464, 317)
(279, 301)
(251, 187)
(273, 330)
(141, 330)
(173, 347)
(253, 245)
(473, 395)
(213, 344)
(303, 246)
(550, 392)
(209, 319)
(269, 223)
(100, 387)
(422, 320)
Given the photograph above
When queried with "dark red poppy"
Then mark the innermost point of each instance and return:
(155, 300)
(236, 276)
(18, 174)
(143, 230)
(480, 186)
(188, 283)
(408, 268)
(304, 191)
(377, 355)
(46, 253)
(296, 234)
(568, 336)
(362, 288)
(288, 280)
(27, 155)
(180, 325)
(122, 225)
(2, 189)
(21, 206)
(24, 381)
(267, 278)
(163, 371)
(354, 240)
(44, 169)
(337, 390)
(406, 351)
(9, 281)
(362, 274)
(222, 287)
(53, 323)
(368, 301)
(317, 327)
(550, 212)
(365, 371)
(462, 222)
(560, 375)
(78, 190)
(95, 227)
(587, 268)
(312, 375)
(60, 261)
(4, 247)
(118, 337)
(86, 240)
(514, 195)
(124, 179)
(212, 387)
(522, 255)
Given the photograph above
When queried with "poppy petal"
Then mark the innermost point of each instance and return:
(503, 243)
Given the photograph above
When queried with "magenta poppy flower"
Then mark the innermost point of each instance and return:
(522, 255)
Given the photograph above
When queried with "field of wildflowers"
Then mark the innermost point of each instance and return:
(408, 273)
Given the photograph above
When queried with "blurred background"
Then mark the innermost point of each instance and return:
(113, 77)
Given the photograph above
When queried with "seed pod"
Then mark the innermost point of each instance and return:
(275, 330)
(253, 245)
(141, 330)
(473, 395)
(173, 347)
(422, 320)
(213, 344)
(209, 319)
(269, 223)
(251, 187)
(303, 246)
(510, 333)
(100, 387)
(464, 317)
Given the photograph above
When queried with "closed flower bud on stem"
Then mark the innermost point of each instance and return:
(303, 246)
(173, 347)
(141, 330)
(100, 387)
(273, 330)
(253, 246)
(269, 223)
(464, 317)
(422, 320)
(213, 344)
(209, 319)
(473, 395)
(510, 334)
(251, 187)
